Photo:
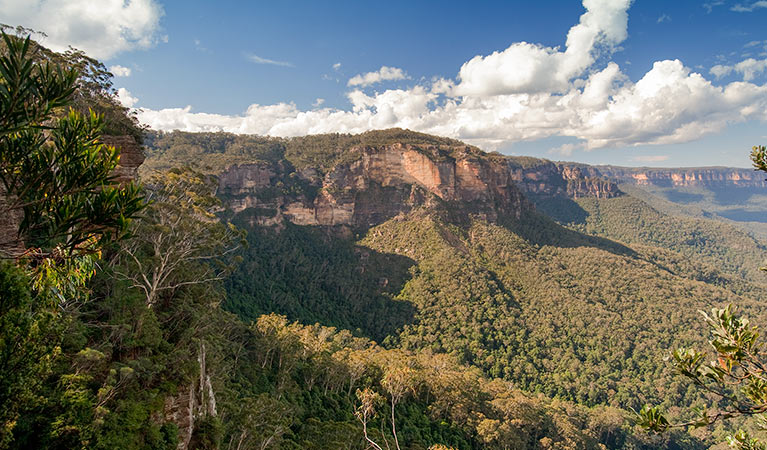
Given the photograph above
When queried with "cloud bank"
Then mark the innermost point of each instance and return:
(100, 28)
(525, 92)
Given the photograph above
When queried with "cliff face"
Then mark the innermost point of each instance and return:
(381, 183)
(562, 179)
(131, 156)
(705, 176)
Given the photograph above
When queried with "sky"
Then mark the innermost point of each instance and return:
(642, 83)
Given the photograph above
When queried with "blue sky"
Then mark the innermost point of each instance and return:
(634, 83)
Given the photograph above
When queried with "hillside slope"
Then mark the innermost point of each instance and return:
(544, 274)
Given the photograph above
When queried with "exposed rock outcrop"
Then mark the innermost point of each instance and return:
(380, 183)
(131, 156)
(562, 179)
(703, 176)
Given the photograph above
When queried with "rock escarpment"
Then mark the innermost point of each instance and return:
(547, 178)
(683, 177)
(380, 183)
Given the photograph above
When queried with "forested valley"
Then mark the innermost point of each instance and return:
(238, 292)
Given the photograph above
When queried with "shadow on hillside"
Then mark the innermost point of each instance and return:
(683, 197)
(728, 195)
(561, 209)
(744, 215)
(313, 275)
(540, 229)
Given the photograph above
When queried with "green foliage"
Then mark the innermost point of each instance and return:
(325, 151)
(631, 221)
(759, 157)
(652, 419)
(583, 314)
(734, 377)
(124, 358)
(317, 277)
(59, 198)
(57, 177)
(742, 441)
(572, 316)
(179, 235)
(94, 90)
(26, 346)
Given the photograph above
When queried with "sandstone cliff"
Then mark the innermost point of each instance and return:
(703, 176)
(542, 177)
(383, 181)
(380, 183)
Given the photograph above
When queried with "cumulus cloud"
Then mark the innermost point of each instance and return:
(318, 102)
(120, 71)
(532, 68)
(337, 66)
(259, 60)
(101, 29)
(126, 98)
(383, 74)
(526, 92)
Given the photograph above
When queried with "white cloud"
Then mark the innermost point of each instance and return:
(337, 66)
(318, 102)
(565, 149)
(650, 158)
(383, 74)
(259, 60)
(120, 71)
(720, 70)
(528, 68)
(749, 8)
(664, 18)
(126, 98)
(750, 68)
(526, 92)
(101, 28)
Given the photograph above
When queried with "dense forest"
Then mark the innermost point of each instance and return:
(149, 314)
